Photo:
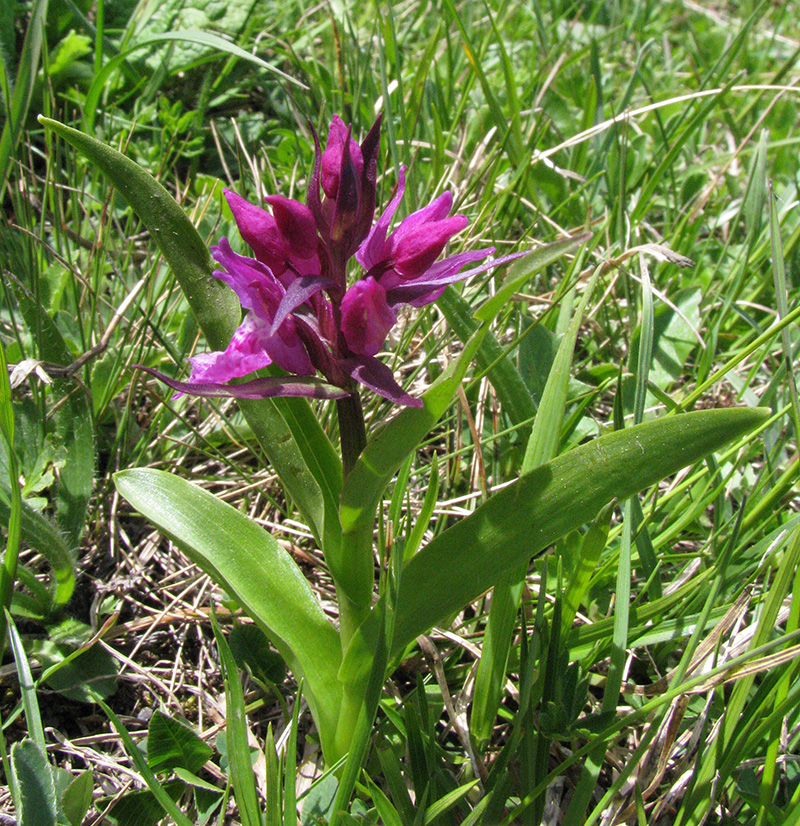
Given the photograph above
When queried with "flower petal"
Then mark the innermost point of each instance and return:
(245, 354)
(297, 293)
(378, 377)
(366, 317)
(436, 210)
(260, 231)
(421, 291)
(375, 249)
(296, 224)
(415, 250)
(256, 389)
(253, 282)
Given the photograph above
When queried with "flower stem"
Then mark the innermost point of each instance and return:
(352, 431)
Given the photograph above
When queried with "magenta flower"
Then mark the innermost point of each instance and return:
(300, 313)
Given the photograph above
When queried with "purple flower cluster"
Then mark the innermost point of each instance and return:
(301, 314)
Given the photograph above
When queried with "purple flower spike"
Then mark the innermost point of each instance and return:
(301, 314)
(339, 139)
(347, 174)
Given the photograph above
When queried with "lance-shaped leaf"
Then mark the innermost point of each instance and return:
(524, 518)
(250, 565)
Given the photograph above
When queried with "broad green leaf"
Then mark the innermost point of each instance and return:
(563, 494)
(318, 803)
(362, 491)
(250, 565)
(38, 805)
(524, 518)
(172, 743)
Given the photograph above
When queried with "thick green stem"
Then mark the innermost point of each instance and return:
(347, 723)
(353, 436)
(352, 431)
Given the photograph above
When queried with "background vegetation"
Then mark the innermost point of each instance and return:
(654, 682)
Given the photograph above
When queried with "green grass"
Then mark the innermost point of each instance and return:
(642, 671)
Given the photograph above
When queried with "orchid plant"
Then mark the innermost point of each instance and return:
(321, 292)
